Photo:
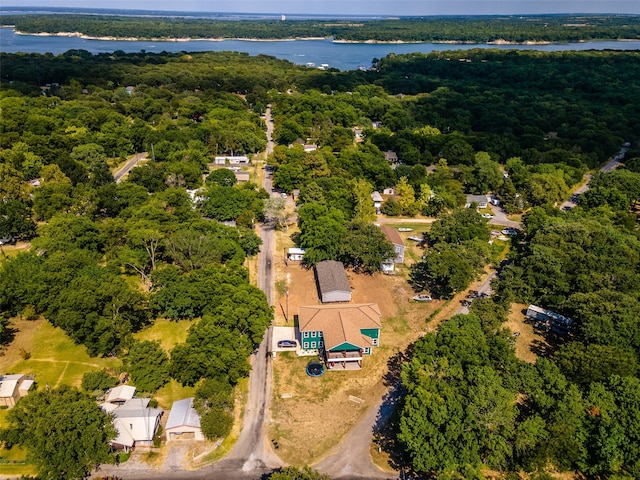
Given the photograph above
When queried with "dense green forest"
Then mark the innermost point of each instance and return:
(107, 258)
(519, 29)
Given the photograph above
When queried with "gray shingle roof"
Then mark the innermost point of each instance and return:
(332, 277)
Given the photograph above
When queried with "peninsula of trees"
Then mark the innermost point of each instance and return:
(514, 29)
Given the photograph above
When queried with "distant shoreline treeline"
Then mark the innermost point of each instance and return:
(511, 29)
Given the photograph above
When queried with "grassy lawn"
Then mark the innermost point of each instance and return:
(10, 251)
(52, 356)
(169, 332)
(171, 392)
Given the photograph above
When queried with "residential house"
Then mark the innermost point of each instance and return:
(480, 200)
(183, 422)
(377, 200)
(332, 282)
(342, 334)
(309, 147)
(231, 160)
(394, 237)
(13, 388)
(391, 157)
(389, 191)
(547, 320)
(135, 422)
(295, 254)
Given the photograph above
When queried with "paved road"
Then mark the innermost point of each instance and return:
(613, 163)
(251, 456)
(128, 166)
(483, 289)
(500, 218)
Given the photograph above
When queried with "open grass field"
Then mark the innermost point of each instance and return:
(54, 360)
(168, 332)
(9, 251)
(52, 357)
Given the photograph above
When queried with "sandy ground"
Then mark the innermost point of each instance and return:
(528, 343)
(23, 332)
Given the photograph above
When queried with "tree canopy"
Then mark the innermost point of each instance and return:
(64, 431)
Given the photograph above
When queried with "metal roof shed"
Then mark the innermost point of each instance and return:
(184, 421)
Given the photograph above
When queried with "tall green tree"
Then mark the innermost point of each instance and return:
(64, 431)
(148, 365)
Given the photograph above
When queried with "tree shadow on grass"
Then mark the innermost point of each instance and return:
(7, 334)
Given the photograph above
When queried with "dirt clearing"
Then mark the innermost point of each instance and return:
(528, 343)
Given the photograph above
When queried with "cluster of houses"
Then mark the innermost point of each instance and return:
(137, 422)
(295, 254)
(235, 164)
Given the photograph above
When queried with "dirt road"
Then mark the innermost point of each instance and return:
(251, 450)
(353, 460)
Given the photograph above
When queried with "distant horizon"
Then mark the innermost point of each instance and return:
(361, 8)
(162, 12)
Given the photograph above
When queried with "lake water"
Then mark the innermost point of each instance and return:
(343, 56)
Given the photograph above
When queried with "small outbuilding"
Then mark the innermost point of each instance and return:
(332, 282)
(377, 200)
(232, 160)
(183, 422)
(120, 394)
(394, 237)
(242, 176)
(295, 254)
(13, 388)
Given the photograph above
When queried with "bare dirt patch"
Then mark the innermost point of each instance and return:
(23, 332)
(528, 343)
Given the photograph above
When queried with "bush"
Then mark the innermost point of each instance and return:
(391, 207)
(98, 380)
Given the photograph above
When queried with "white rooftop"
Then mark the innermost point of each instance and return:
(183, 414)
(121, 393)
(8, 384)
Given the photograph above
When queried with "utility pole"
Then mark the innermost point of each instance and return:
(287, 294)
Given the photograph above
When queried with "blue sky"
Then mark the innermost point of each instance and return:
(356, 7)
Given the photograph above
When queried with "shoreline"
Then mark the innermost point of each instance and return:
(354, 42)
(161, 39)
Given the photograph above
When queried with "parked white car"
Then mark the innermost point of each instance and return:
(423, 297)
